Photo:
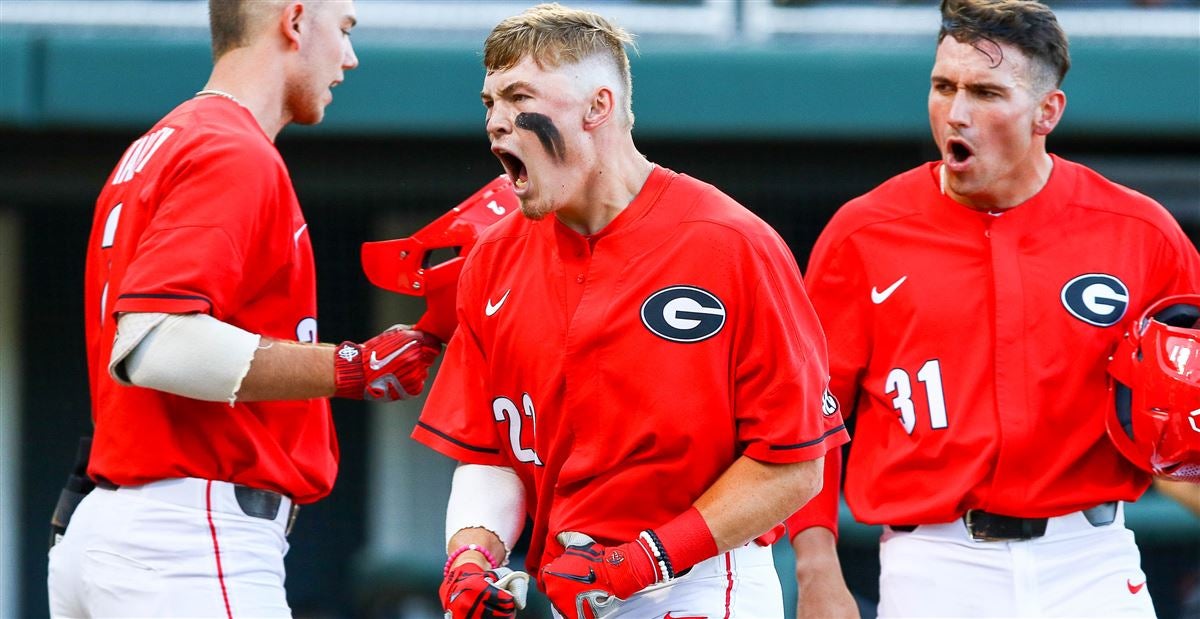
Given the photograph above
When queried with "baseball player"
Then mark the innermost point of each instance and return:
(637, 366)
(971, 305)
(209, 390)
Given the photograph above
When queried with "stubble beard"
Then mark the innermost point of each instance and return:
(533, 211)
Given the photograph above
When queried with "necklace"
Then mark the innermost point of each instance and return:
(218, 93)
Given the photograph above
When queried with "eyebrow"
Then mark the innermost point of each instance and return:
(507, 90)
(353, 20)
(938, 79)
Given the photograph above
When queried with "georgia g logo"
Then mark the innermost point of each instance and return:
(1096, 298)
(683, 314)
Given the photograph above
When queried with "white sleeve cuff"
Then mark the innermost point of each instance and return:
(192, 355)
(487, 497)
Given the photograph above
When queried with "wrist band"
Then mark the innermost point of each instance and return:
(348, 373)
(477, 548)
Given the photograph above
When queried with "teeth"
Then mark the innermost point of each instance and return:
(520, 184)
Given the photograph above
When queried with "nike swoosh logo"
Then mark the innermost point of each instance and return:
(587, 580)
(878, 297)
(299, 231)
(378, 363)
(492, 309)
(1134, 589)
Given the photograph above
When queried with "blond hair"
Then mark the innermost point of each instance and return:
(554, 35)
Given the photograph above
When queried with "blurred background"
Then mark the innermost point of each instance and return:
(792, 107)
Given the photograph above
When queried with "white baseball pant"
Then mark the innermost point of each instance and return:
(740, 584)
(1074, 570)
(172, 548)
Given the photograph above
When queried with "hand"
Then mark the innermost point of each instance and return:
(469, 592)
(390, 366)
(825, 600)
(587, 580)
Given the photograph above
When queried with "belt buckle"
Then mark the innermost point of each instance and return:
(968, 519)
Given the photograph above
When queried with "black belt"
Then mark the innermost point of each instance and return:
(254, 502)
(988, 527)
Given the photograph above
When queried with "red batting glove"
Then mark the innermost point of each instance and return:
(469, 592)
(587, 580)
(390, 366)
(589, 577)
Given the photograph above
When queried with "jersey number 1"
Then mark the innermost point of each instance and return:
(930, 375)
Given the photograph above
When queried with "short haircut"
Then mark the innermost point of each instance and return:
(554, 35)
(231, 22)
(1024, 24)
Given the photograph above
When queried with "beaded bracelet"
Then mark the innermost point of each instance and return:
(477, 548)
(660, 555)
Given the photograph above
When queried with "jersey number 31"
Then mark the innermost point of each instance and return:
(899, 383)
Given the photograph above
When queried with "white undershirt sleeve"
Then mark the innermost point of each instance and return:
(487, 497)
(192, 355)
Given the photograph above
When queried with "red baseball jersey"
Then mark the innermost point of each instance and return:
(621, 374)
(973, 347)
(200, 216)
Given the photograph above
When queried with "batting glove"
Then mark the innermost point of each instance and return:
(390, 366)
(588, 580)
(469, 592)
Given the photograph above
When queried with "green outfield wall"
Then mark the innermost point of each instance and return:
(55, 78)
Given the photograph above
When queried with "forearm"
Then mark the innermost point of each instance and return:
(820, 587)
(747, 500)
(1185, 493)
(200, 357)
(487, 509)
(283, 370)
(752, 496)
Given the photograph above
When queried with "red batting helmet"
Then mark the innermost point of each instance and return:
(407, 265)
(1156, 372)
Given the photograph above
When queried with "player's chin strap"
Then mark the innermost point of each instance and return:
(601, 603)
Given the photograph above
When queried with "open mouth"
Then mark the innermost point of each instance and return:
(958, 150)
(513, 167)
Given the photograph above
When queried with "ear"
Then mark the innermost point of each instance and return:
(290, 22)
(600, 109)
(1050, 111)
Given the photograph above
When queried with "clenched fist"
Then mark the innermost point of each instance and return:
(390, 366)
(470, 592)
(589, 578)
